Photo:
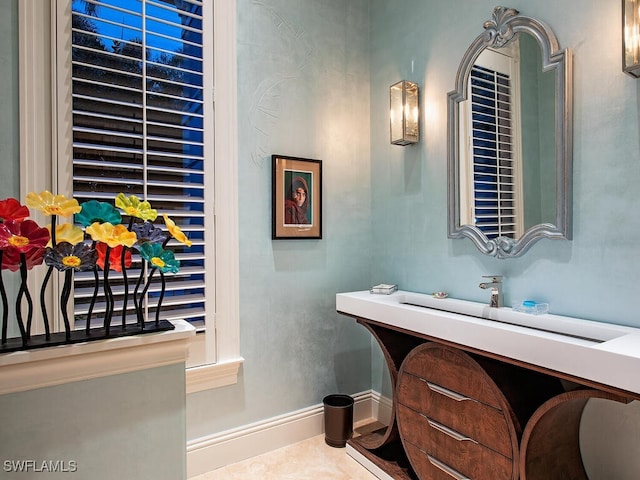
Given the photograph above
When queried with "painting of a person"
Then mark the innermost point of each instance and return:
(296, 202)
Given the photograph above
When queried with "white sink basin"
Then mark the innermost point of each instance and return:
(601, 352)
(597, 332)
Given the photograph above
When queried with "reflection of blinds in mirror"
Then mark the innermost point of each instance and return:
(493, 158)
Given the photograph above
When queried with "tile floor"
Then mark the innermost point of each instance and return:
(309, 459)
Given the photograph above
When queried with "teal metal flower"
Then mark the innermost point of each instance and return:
(101, 212)
(65, 256)
(158, 257)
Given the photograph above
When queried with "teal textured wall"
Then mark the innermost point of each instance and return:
(9, 130)
(594, 276)
(313, 81)
(303, 91)
(117, 427)
(9, 121)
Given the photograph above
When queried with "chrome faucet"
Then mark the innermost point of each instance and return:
(495, 284)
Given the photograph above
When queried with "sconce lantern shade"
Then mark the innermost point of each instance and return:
(404, 113)
(631, 37)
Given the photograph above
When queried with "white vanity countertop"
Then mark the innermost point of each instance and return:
(613, 360)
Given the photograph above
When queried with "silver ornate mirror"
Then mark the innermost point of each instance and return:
(510, 138)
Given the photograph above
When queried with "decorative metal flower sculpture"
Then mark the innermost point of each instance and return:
(100, 242)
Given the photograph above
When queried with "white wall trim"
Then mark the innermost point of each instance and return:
(381, 407)
(214, 451)
(227, 318)
(216, 375)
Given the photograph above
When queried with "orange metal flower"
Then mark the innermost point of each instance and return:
(115, 257)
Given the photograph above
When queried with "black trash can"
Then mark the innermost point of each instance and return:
(338, 419)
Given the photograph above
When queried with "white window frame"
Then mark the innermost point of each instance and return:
(44, 138)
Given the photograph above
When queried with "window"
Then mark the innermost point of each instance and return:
(493, 170)
(132, 111)
(140, 110)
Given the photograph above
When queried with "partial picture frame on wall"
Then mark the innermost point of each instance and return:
(297, 198)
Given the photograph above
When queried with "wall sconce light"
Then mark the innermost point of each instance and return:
(404, 113)
(631, 37)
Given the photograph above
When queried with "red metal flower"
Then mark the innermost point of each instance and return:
(11, 209)
(22, 236)
(11, 258)
(115, 256)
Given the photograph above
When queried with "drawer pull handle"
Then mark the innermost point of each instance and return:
(447, 469)
(449, 432)
(448, 393)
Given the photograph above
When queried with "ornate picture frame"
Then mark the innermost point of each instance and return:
(297, 198)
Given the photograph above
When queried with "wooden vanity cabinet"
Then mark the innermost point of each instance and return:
(453, 418)
(460, 414)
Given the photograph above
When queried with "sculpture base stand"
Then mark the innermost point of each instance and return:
(80, 336)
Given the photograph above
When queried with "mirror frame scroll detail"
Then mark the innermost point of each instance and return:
(499, 31)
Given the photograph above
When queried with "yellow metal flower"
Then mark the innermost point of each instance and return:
(112, 235)
(175, 231)
(133, 207)
(51, 204)
(67, 232)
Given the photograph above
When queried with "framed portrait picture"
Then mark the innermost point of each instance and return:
(297, 198)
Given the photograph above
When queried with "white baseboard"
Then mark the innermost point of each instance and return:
(214, 451)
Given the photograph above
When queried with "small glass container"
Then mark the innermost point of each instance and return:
(531, 307)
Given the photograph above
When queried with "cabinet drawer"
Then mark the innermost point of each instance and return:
(429, 467)
(463, 454)
(453, 370)
(484, 424)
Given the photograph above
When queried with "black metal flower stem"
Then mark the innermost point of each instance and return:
(164, 285)
(125, 279)
(43, 305)
(108, 292)
(138, 304)
(64, 297)
(5, 303)
(45, 281)
(21, 292)
(96, 284)
(146, 288)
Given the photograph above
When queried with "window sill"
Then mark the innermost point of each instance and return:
(206, 377)
(28, 370)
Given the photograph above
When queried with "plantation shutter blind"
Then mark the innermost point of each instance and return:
(139, 128)
(494, 184)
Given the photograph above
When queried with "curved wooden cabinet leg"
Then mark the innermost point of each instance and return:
(550, 446)
(395, 347)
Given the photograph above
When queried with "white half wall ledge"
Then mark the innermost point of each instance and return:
(30, 369)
